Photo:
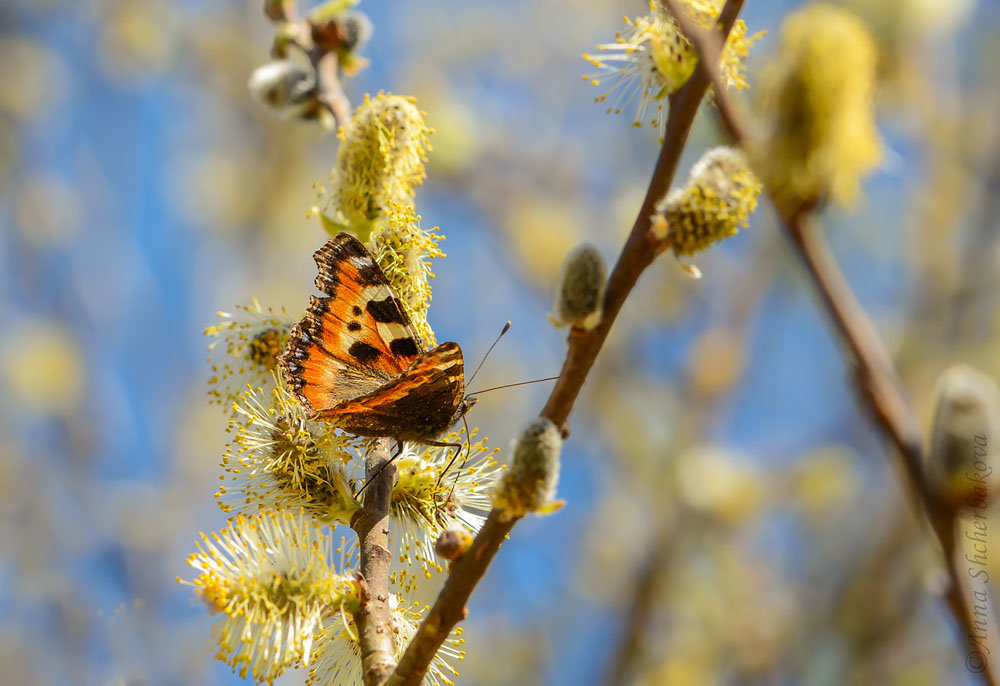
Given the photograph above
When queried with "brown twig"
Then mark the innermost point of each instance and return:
(371, 523)
(877, 380)
(641, 248)
(638, 253)
(328, 92)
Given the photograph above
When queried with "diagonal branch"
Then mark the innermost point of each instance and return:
(641, 248)
(639, 251)
(876, 376)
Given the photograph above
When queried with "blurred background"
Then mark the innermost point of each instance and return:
(732, 518)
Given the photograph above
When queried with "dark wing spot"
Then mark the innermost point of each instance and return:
(349, 246)
(388, 311)
(371, 275)
(357, 310)
(354, 326)
(404, 347)
(363, 353)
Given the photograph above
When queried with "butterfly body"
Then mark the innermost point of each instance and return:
(354, 360)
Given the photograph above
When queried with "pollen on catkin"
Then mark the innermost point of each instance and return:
(652, 59)
(529, 485)
(404, 251)
(579, 297)
(716, 203)
(435, 493)
(245, 350)
(732, 64)
(271, 581)
(279, 458)
(380, 161)
(958, 466)
(338, 646)
(815, 104)
(649, 60)
(379, 164)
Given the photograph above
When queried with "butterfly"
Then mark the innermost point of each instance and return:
(354, 360)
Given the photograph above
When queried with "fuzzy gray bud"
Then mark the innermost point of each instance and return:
(281, 86)
(959, 465)
(580, 294)
(357, 30)
(529, 484)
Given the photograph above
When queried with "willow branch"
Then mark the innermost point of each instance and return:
(372, 526)
(328, 92)
(880, 386)
(641, 248)
(639, 251)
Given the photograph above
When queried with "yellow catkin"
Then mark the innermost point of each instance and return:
(816, 104)
(380, 161)
(404, 252)
(716, 202)
(529, 485)
(652, 59)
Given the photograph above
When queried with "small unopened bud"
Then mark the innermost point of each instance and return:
(715, 204)
(281, 86)
(960, 465)
(278, 10)
(529, 485)
(580, 294)
(452, 543)
(358, 29)
(346, 34)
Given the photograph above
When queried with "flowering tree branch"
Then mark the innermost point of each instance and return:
(371, 523)
(318, 41)
(879, 384)
(640, 249)
(329, 91)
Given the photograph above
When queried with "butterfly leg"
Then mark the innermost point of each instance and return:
(399, 451)
(458, 450)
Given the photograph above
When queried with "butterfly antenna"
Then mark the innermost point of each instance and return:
(511, 385)
(506, 328)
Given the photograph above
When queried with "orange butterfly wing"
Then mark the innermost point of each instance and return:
(356, 338)
(418, 405)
